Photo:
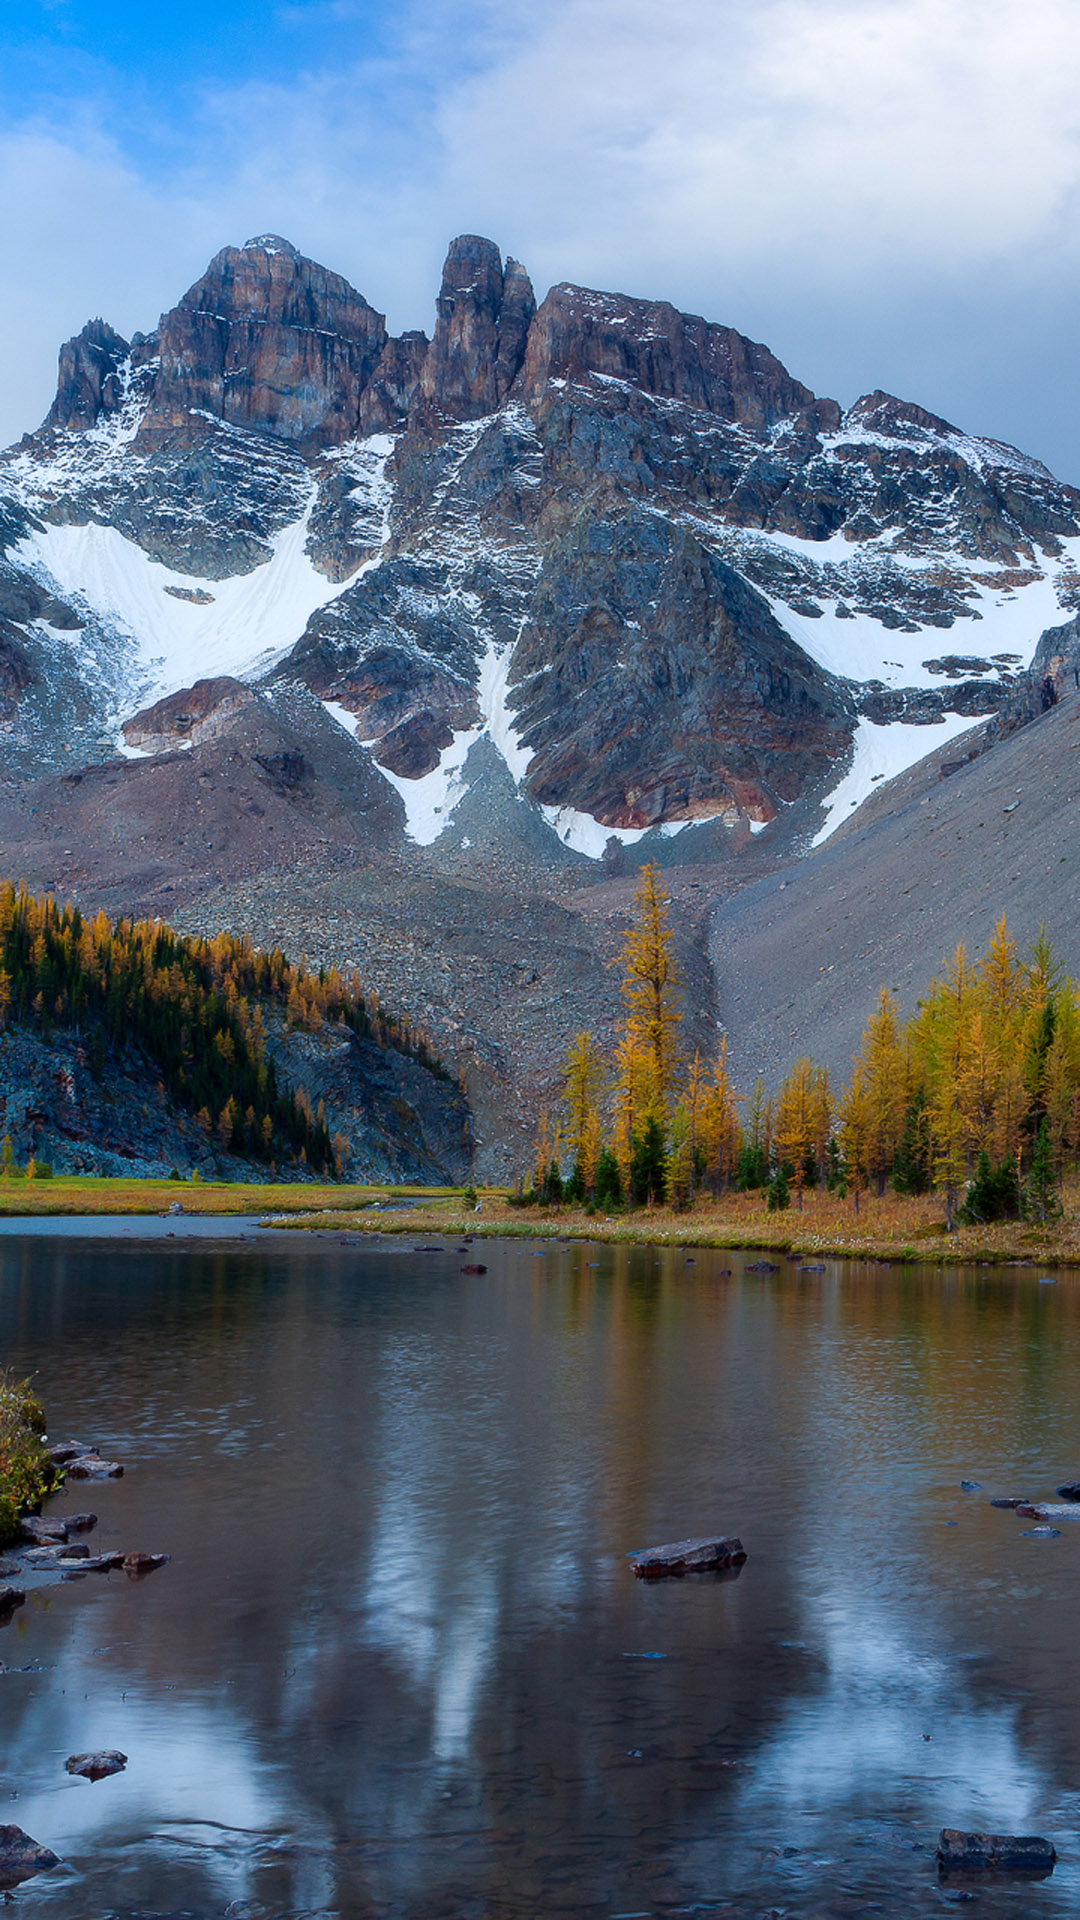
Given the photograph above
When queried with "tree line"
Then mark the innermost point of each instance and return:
(196, 1008)
(976, 1097)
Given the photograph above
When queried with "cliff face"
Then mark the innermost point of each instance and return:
(266, 340)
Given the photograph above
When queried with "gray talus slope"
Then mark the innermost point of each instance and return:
(799, 957)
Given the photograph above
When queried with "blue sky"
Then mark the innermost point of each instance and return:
(887, 191)
(58, 50)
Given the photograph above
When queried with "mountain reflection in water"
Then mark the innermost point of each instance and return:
(394, 1667)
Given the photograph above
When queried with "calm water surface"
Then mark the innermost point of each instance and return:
(398, 1665)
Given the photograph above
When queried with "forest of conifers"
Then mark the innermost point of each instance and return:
(976, 1096)
(197, 1009)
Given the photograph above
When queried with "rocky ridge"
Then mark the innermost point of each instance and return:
(664, 577)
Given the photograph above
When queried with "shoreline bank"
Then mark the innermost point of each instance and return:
(973, 1246)
(901, 1231)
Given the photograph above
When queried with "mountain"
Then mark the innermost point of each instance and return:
(406, 650)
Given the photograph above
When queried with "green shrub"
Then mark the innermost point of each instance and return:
(26, 1472)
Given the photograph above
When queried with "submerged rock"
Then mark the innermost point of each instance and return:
(74, 1569)
(994, 1853)
(21, 1857)
(1070, 1491)
(96, 1766)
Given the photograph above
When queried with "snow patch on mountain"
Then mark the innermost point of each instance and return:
(583, 834)
(498, 719)
(880, 754)
(1006, 617)
(238, 626)
(430, 801)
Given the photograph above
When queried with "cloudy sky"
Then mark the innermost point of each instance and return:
(886, 191)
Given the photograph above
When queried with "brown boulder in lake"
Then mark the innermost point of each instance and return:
(97, 1766)
(21, 1857)
(994, 1853)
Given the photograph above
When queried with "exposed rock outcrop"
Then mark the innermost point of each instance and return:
(484, 314)
(90, 381)
(268, 340)
(654, 347)
(187, 718)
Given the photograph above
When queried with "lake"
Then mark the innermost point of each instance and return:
(399, 1664)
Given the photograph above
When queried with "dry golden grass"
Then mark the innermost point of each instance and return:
(89, 1195)
(890, 1228)
(893, 1227)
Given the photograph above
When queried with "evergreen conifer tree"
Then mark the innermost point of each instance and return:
(648, 1165)
(608, 1190)
(1040, 1192)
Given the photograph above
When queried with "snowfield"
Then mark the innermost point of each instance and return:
(880, 754)
(246, 624)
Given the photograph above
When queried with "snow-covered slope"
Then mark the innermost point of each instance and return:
(177, 627)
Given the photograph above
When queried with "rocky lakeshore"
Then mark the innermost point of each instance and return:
(41, 1551)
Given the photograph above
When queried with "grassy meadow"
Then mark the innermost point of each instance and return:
(893, 1227)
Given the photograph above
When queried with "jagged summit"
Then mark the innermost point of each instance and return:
(89, 381)
(618, 545)
(271, 243)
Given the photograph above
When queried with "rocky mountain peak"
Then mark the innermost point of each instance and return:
(880, 412)
(484, 311)
(270, 340)
(271, 243)
(89, 383)
(649, 344)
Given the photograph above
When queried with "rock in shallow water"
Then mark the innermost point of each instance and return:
(96, 1766)
(78, 1522)
(10, 1598)
(689, 1556)
(994, 1853)
(39, 1532)
(21, 1857)
(90, 1466)
(138, 1564)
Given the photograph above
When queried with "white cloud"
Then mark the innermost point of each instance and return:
(885, 189)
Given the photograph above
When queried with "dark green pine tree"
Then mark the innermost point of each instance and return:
(607, 1187)
(779, 1193)
(648, 1165)
(1040, 1190)
(911, 1168)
